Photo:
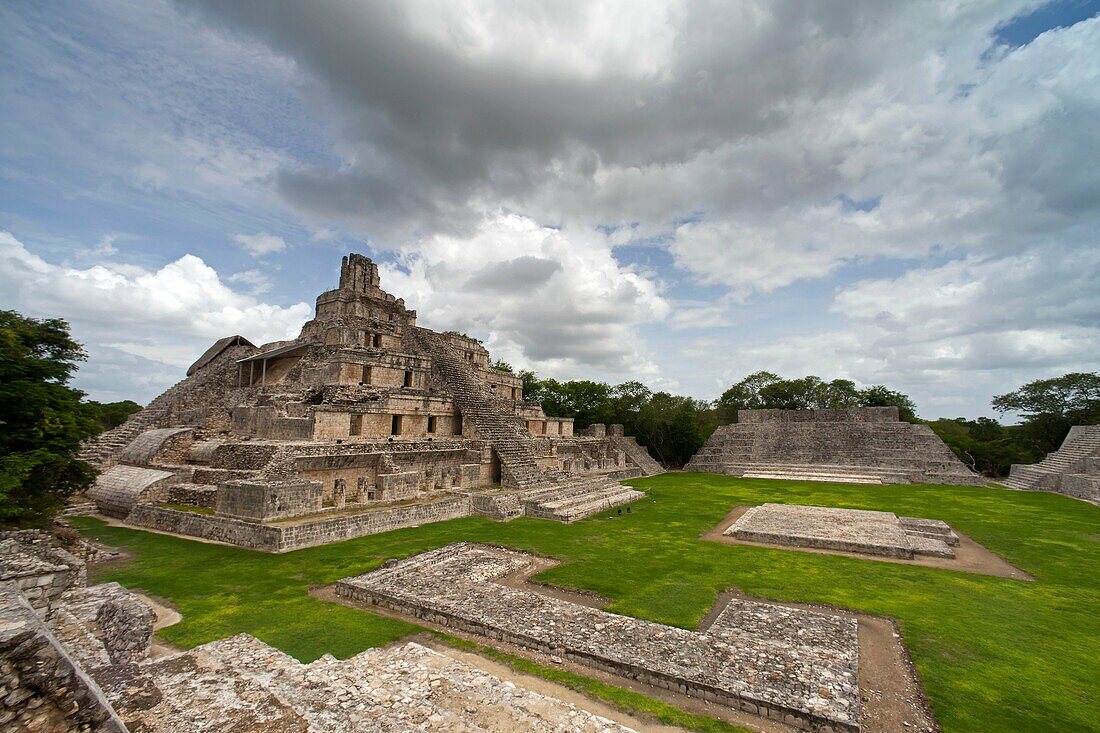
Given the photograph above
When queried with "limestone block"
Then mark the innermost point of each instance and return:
(268, 500)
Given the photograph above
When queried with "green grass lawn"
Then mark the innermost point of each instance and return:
(994, 654)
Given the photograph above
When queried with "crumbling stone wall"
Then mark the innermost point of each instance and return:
(44, 690)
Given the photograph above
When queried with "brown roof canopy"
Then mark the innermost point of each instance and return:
(219, 346)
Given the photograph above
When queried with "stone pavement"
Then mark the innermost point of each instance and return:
(792, 665)
(847, 530)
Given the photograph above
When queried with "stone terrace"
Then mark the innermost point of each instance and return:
(846, 530)
(795, 666)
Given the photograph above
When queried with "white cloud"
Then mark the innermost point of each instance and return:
(556, 301)
(166, 316)
(260, 244)
(256, 280)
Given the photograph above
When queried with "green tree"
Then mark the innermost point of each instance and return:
(1050, 407)
(110, 414)
(882, 396)
(983, 444)
(744, 395)
(767, 390)
(838, 393)
(42, 421)
(667, 426)
(502, 366)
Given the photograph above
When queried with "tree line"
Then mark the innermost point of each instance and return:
(674, 427)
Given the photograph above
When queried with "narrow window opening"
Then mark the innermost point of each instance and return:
(356, 425)
(431, 423)
(366, 374)
(377, 340)
(458, 424)
(408, 379)
(395, 425)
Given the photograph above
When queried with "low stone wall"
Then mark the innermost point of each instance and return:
(307, 534)
(32, 566)
(372, 522)
(268, 500)
(204, 526)
(193, 495)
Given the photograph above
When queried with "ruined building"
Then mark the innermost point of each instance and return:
(864, 445)
(365, 422)
(1073, 469)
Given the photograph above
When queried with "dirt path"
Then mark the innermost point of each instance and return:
(166, 616)
(970, 557)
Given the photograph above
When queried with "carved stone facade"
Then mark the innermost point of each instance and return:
(363, 410)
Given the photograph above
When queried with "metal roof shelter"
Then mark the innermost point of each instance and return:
(263, 357)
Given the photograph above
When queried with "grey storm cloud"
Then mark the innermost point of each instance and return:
(518, 275)
(431, 129)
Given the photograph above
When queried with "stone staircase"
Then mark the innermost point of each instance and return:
(577, 498)
(101, 450)
(505, 432)
(550, 494)
(1073, 469)
(638, 455)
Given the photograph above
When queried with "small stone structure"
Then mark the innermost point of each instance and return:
(371, 408)
(792, 665)
(866, 445)
(845, 530)
(81, 664)
(1073, 469)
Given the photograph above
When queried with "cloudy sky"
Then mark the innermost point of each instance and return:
(678, 192)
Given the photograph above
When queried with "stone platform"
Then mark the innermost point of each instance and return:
(862, 445)
(792, 665)
(845, 530)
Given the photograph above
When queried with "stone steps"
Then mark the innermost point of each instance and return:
(1067, 470)
(856, 452)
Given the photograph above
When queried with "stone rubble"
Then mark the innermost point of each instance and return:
(79, 662)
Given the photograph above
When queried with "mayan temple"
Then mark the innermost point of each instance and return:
(366, 422)
(865, 445)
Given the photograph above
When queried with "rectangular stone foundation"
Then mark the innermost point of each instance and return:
(798, 667)
(844, 530)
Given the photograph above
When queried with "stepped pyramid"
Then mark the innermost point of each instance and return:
(363, 411)
(1073, 469)
(866, 445)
